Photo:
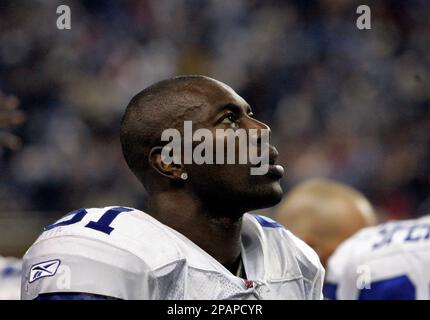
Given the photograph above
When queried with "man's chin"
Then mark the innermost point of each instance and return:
(267, 196)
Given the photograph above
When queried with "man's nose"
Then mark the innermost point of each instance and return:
(260, 126)
(253, 123)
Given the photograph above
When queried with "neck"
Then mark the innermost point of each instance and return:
(213, 231)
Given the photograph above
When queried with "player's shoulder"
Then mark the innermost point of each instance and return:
(354, 248)
(296, 258)
(111, 251)
(115, 227)
(391, 235)
(284, 240)
(375, 242)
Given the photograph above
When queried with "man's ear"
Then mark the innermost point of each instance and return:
(170, 170)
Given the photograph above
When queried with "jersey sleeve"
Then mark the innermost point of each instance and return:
(316, 274)
(317, 285)
(70, 264)
(311, 267)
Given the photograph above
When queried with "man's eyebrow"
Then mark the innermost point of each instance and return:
(235, 108)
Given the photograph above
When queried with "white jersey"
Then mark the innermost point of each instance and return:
(390, 261)
(10, 278)
(127, 254)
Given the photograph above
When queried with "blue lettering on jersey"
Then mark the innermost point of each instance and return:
(411, 233)
(418, 232)
(77, 216)
(398, 288)
(102, 225)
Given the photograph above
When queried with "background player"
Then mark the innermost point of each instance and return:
(390, 261)
(10, 268)
(324, 213)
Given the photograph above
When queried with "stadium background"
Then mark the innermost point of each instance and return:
(343, 103)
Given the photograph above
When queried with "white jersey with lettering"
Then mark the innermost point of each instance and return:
(10, 278)
(390, 261)
(127, 254)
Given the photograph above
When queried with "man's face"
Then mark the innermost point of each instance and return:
(230, 187)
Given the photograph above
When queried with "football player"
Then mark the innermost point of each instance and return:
(390, 261)
(324, 213)
(195, 239)
(10, 278)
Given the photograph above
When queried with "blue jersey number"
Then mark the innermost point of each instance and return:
(102, 225)
(397, 288)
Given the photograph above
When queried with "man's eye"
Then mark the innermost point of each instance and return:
(229, 119)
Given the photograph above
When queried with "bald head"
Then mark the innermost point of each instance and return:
(166, 104)
(324, 213)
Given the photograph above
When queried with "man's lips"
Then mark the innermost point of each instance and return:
(276, 170)
(273, 169)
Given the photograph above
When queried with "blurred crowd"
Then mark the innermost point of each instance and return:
(343, 103)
